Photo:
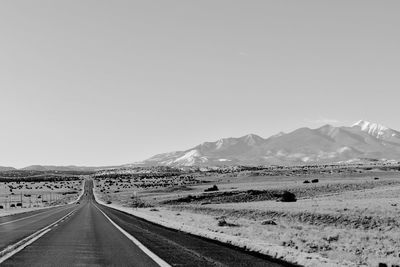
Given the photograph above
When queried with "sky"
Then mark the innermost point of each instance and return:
(92, 82)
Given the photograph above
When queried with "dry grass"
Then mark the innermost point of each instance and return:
(360, 226)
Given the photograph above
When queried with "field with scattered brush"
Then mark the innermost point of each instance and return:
(349, 216)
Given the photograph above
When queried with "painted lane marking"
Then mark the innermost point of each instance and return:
(147, 251)
(20, 245)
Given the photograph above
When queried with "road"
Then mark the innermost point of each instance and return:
(88, 238)
(16, 227)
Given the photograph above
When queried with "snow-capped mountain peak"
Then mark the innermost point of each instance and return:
(373, 129)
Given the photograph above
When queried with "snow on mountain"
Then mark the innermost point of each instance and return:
(191, 158)
(379, 131)
(373, 129)
(326, 144)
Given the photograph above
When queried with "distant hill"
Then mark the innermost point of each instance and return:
(60, 168)
(327, 144)
(2, 169)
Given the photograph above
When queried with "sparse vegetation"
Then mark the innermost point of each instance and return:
(211, 189)
(326, 218)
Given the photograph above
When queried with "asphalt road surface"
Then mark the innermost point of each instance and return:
(88, 238)
(16, 227)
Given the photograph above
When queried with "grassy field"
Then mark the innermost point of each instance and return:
(352, 218)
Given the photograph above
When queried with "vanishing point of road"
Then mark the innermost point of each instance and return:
(90, 234)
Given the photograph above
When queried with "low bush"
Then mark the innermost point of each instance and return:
(288, 197)
(222, 222)
(268, 222)
(306, 182)
(314, 181)
(212, 189)
(138, 203)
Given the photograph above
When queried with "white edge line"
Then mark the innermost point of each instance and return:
(20, 245)
(149, 253)
(18, 249)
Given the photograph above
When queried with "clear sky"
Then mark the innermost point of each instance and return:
(111, 82)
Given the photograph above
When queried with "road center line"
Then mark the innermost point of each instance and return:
(147, 251)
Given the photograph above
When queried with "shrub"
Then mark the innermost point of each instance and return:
(314, 181)
(1, 207)
(306, 182)
(288, 197)
(211, 189)
(12, 205)
(222, 222)
(332, 238)
(19, 204)
(138, 203)
(268, 222)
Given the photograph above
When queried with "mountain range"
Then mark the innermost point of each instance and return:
(45, 168)
(327, 144)
(363, 141)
